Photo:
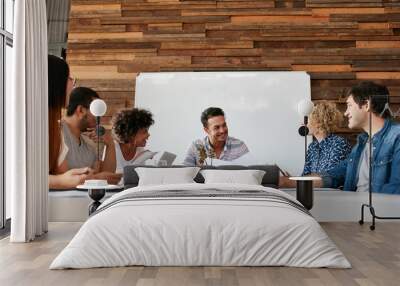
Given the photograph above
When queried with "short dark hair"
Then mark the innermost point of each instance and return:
(126, 123)
(210, 112)
(80, 96)
(378, 94)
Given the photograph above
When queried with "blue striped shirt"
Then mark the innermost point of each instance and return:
(233, 149)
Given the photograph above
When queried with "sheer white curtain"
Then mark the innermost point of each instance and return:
(27, 130)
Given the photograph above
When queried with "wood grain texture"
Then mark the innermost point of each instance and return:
(374, 255)
(343, 41)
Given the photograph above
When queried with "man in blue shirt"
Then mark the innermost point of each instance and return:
(354, 172)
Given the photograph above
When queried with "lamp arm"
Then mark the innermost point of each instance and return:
(98, 137)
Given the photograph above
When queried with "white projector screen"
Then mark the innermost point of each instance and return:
(260, 109)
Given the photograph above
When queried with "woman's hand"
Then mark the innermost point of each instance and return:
(285, 182)
(70, 179)
(76, 176)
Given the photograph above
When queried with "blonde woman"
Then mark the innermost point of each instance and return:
(327, 150)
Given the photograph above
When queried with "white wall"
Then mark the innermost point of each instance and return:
(260, 108)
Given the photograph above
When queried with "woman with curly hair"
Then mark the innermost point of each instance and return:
(327, 150)
(130, 129)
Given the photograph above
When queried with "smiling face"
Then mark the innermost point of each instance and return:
(357, 116)
(140, 139)
(217, 129)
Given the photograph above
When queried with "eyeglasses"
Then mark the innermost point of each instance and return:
(73, 80)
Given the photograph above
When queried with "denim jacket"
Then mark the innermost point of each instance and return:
(385, 166)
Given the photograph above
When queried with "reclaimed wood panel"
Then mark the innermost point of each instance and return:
(240, 12)
(339, 42)
(278, 19)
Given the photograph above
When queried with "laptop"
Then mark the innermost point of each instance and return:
(164, 159)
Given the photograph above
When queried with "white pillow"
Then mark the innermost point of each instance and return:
(248, 177)
(166, 176)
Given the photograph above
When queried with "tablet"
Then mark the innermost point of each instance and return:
(164, 159)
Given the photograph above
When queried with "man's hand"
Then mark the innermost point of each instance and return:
(106, 138)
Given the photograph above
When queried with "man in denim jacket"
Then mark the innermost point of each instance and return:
(354, 171)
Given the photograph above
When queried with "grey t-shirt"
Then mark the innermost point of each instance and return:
(363, 170)
(80, 154)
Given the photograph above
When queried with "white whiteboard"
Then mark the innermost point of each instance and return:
(260, 109)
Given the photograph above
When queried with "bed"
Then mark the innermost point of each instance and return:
(201, 225)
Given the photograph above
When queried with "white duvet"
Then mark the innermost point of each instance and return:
(200, 231)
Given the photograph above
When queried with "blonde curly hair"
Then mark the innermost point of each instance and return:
(326, 116)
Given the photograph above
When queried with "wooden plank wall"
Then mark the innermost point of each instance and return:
(339, 42)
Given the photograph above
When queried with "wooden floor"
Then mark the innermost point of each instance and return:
(375, 257)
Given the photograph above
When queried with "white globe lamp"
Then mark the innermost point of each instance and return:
(305, 107)
(98, 108)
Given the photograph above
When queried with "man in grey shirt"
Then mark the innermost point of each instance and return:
(81, 150)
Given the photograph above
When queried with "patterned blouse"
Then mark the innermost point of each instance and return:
(325, 155)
